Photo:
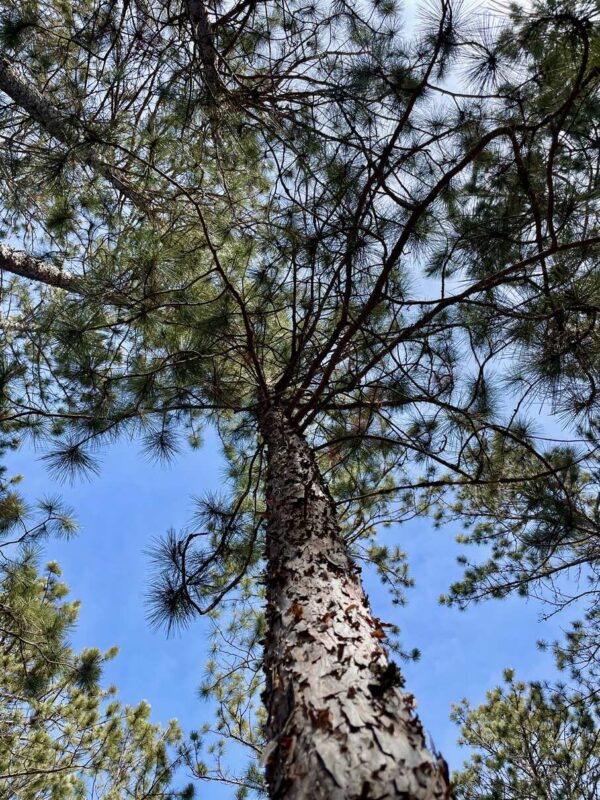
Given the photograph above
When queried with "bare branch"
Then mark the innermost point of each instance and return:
(18, 262)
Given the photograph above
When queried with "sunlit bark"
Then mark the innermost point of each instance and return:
(339, 724)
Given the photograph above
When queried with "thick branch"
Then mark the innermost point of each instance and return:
(61, 127)
(18, 262)
(204, 40)
(36, 269)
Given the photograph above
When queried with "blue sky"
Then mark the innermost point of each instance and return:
(133, 501)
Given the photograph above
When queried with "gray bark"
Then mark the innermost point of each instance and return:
(339, 725)
(20, 263)
(62, 127)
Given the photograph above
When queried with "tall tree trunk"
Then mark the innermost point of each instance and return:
(339, 725)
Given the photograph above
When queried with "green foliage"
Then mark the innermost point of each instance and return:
(61, 735)
(530, 742)
(539, 534)
(52, 518)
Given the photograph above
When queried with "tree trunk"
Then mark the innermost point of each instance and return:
(339, 726)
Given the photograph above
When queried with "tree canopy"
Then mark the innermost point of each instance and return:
(530, 742)
(389, 237)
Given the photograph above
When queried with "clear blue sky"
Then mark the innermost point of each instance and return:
(133, 501)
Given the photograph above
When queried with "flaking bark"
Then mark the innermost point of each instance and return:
(18, 262)
(21, 263)
(339, 725)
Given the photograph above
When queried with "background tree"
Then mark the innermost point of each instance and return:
(531, 742)
(61, 735)
(291, 223)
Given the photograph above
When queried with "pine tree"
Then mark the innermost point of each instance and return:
(531, 742)
(361, 257)
(61, 735)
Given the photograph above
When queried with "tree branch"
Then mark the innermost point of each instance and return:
(61, 127)
(204, 40)
(36, 269)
